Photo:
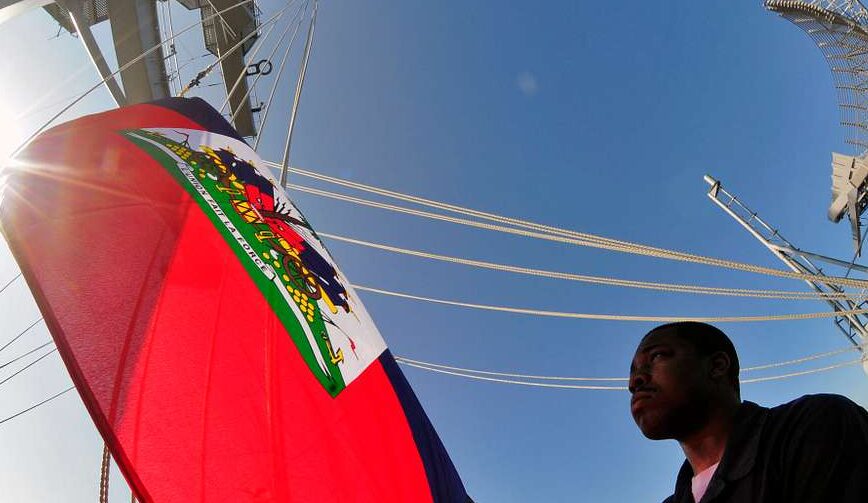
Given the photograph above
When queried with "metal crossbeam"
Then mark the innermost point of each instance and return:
(854, 327)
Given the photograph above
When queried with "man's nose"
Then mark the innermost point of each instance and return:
(638, 378)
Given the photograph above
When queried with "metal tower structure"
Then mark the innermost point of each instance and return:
(854, 327)
(135, 30)
(840, 30)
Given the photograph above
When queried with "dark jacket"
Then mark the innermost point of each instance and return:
(813, 449)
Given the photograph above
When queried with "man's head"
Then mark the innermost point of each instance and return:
(681, 374)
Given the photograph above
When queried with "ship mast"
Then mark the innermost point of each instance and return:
(853, 326)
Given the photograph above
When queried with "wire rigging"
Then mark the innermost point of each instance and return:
(207, 70)
(533, 229)
(252, 57)
(19, 357)
(29, 365)
(298, 19)
(613, 317)
(280, 68)
(37, 405)
(38, 104)
(30, 327)
(442, 370)
(299, 84)
(546, 232)
(849, 363)
(515, 381)
(515, 375)
(104, 474)
(816, 356)
(133, 61)
(13, 280)
(668, 287)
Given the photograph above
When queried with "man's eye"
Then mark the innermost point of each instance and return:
(655, 355)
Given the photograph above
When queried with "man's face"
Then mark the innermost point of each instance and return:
(670, 386)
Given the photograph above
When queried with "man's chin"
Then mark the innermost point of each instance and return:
(652, 427)
(655, 434)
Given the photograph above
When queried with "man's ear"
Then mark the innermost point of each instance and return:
(720, 364)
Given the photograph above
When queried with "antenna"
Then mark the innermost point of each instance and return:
(840, 30)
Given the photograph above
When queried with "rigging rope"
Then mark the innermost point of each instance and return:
(207, 70)
(252, 57)
(277, 80)
(13, 280)
(515, 381)
(39, 404)
(20, 334)
(22, 369)
(104, 474)
(297, 18)
(403, 361)
(615, 317)
(804, 372)
(133, 61)
(299, 84)
(784, 363)
(666, 287)
(613, 379)
(582, 239)
(3, 365)
(506, 381)
(223, 23)
(816, 356)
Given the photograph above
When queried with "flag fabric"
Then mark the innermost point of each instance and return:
(219, 350)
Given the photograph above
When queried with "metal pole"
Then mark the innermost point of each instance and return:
(177, 71)
(298, 86)
(817, 256)
(274, 85)
(713, 193)
(93, 50)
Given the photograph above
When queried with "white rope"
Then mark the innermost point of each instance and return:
(616, 379)
(207, 70)
(615, 317)
(666, 287)
(589, 240)
(299, 84)
(804, 359)
(466, 211)
(519, 382)
(277, 80)
(515, 381)
(804, 372)
(296, 18)
(402, 359)
(13, 280)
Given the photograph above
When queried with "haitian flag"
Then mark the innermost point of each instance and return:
(220, 352)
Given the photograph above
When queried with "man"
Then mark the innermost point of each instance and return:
(684, 386)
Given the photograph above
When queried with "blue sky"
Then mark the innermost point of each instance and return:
(597, 117)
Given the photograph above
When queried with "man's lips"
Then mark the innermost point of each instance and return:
(640, 396)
